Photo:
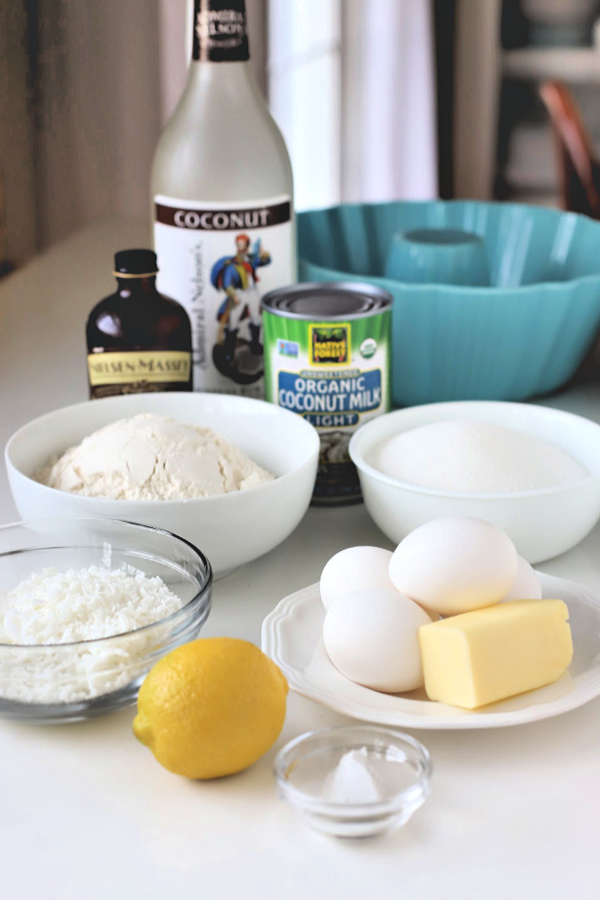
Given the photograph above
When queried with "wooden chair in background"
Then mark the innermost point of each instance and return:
(579, 169)
(579, 181)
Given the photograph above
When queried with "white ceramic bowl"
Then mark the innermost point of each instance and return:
(231, 529)
(542, 523)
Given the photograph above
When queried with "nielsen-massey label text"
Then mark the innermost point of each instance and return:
(154, 366)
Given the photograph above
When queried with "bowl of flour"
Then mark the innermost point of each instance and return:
(230, 474)
(531, 470)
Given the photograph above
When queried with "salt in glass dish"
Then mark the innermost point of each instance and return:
(99, 675)
(400, 768)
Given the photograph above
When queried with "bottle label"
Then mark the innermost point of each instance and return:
(220, 31)
(218, 260)
(138, 371)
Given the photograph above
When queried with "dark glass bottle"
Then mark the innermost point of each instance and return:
(138, 340)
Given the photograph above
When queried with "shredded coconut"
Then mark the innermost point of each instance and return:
(475, 457)
(55, 608)
(150, 457)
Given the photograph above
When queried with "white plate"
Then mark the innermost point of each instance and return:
(291, 636)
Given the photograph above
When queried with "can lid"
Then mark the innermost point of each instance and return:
(328, 300)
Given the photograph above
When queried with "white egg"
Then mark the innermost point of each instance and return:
(355, 568)
(455, 564)
(371, 636)
(526, 585)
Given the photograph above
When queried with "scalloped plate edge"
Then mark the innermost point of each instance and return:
(274, 641)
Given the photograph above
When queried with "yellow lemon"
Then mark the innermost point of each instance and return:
(211, 707)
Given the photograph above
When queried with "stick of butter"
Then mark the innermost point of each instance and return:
(489, 654)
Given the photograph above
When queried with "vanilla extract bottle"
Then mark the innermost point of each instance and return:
(222, 204)
(138, 340)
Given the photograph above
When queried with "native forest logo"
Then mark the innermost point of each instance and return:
(329, 344)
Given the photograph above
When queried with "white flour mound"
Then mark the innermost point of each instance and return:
(55, 608)
(475, 457)
(149, 457)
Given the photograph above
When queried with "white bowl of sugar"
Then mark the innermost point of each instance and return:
(532, 471)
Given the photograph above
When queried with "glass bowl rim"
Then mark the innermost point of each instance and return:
(311, 803)
(203, 593)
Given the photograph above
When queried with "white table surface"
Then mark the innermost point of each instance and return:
(85, 810)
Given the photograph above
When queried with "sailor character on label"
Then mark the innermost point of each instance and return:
(238, 351)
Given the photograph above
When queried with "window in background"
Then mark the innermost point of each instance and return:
(304, 76)
(86, 88)
(352, 86)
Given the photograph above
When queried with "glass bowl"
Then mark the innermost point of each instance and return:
(70, 681)
(356, 780)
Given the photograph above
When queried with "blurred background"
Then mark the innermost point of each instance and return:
(377, 99)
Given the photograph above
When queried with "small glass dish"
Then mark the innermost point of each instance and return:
(48, 683)
(356, 780)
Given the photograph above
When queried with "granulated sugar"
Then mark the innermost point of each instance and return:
(475, 457)
(55, 609)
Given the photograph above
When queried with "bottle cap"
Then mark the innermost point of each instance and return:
(135, 263)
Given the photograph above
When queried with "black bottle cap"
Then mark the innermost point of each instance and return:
(220, 31)
(135, 262)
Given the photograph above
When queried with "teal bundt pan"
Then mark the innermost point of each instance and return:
(523, 336)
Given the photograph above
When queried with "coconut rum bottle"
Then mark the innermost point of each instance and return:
(222, 204)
